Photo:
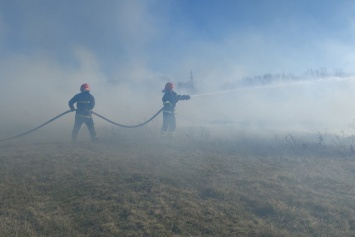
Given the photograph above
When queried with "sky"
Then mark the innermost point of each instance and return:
(128, 49)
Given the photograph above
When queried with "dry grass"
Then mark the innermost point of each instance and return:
(136, 184)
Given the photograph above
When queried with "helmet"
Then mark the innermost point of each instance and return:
(169, 86)
(85, 87)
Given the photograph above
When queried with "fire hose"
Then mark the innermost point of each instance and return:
(129, 126)
(68, 111)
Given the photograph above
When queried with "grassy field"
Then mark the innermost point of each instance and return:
(138, 184)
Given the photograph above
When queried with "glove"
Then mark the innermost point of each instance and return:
(186, 97)
(72, 109)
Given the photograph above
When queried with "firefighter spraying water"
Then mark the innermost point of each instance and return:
(170, 99)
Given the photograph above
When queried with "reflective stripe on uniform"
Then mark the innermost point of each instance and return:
(84, 102)
(83, 116)
(168, 111)
(168, 103)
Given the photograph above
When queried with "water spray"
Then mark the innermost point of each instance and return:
(288, 84)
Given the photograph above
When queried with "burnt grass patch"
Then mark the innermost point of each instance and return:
(182, 187)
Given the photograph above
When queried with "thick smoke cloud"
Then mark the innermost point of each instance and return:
(309, 106)
(128, 50)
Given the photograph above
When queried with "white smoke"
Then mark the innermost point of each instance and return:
(128, 50)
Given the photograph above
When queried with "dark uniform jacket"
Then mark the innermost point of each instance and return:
(170, 99)
(85, 102)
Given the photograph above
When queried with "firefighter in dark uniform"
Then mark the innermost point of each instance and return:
(170, 99)
(85, 102)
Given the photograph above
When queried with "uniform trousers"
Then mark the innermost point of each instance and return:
(89, 122)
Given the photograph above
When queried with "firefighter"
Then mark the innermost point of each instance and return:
(85, 102)
(170, 99)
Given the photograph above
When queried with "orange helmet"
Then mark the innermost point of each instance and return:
(169, 86)
(85, 87)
